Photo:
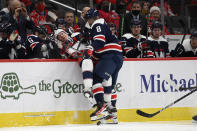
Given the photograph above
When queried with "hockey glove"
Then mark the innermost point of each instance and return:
(88, 52)
(179, 50)
(143, 46)
(76, 36)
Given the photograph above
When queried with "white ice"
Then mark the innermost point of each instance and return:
(132, 126)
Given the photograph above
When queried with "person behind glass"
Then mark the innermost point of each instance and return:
(132, 40)
(19, 18)
(82, 21)
(135, 14)
(187, 49)
(39, 14)
(70, 25)
(103, 8)
(155, 15)
(156, 44)
(145, 7)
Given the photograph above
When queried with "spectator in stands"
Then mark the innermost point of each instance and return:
(39, 14)
(187, 49)
(70, 25)
(132, 40)
(50, 21)
(167, 9)
(82, 21)
(145, 8)
(28, 4)
(155, 15)
(103, 8)
(19, 18)
(135, 14)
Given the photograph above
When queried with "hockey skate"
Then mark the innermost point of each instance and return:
(111, 117)
(194, 119)
(100, 112)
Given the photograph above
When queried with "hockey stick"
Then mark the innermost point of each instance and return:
(185, 31)
(144, 114)
(179, 49)
(190, 88)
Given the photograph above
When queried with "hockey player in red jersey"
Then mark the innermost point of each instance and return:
(108, 52)
(73, 48)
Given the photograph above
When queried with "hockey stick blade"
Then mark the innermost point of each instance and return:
(189, 88)
(144, 114)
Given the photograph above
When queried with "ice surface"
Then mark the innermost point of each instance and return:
(132, 126)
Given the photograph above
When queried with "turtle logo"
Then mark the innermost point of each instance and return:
(10, 87)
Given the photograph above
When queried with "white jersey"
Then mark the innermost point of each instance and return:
(187, 46)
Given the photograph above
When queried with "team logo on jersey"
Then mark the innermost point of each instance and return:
(11, 87)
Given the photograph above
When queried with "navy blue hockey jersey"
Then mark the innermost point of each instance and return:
(33, 47)
(130, 48)
(160, 47)
(103, 41)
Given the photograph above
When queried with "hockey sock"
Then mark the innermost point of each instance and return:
(113, 98)
(98, 92)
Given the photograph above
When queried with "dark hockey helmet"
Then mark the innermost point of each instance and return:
(41, 30)
(91, 13)
(156, 24)
(194, 34)
(111, 25)
(135, 23)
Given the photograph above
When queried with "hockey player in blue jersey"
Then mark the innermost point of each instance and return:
(132, 40)
(108, 52)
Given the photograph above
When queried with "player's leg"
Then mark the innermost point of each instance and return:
(102, 82)
(87, 73)
(98, 92)
(119, 61)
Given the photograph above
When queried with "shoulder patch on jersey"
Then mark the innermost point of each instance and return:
(98, 21)
(162, 39)
(187, 46)
(142, 36)
(150, 38)
(127, 35)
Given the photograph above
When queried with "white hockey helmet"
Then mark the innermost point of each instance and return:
(58, 31)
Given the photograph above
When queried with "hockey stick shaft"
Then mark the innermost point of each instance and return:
(185, 30)
(144, 114)
(189, 88)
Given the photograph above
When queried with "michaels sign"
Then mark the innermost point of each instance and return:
(154, 83)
